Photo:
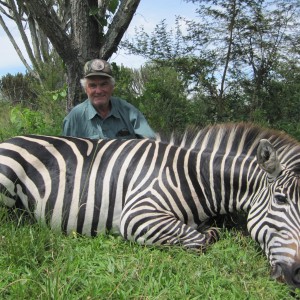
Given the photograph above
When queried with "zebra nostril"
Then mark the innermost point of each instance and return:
(296, 275)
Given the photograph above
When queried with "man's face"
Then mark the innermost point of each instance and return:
(99, 90)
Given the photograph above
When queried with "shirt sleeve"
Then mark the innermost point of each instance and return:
(70, 125)
(67, 129)
(140, 125)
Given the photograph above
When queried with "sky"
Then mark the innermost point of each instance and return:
(148, 14)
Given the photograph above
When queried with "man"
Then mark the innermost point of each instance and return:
(101, 115)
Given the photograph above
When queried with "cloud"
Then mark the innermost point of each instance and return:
(130, 61)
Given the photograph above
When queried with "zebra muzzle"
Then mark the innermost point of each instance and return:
(289, 274)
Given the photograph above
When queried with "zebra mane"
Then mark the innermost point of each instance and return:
(193, 137)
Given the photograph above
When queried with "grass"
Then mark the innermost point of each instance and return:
(37, 263)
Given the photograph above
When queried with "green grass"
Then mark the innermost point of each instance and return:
(18, 120)
(37, 263)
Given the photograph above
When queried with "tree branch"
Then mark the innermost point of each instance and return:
(4, 4)
(12, 40)
(118, 27)
(52, 28)
(17, 18)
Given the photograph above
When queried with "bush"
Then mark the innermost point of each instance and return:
(17, 89)
(163, 101)
(20, 119)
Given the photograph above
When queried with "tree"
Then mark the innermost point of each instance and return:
(163, 100)
(77, 30)
(232, 49)
(17, 88)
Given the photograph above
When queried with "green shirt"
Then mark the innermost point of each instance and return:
(124, 121)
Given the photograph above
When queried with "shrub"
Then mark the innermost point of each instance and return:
(17, 89)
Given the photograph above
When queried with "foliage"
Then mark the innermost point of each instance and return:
(163, 100)
(26, 121)
(159, 94)
(52, 72)
(46, 118)
(24, 89)
(7, 130)
(233, 58)
(17, 88)
(200, 111)
(36, 263)
(127, 83)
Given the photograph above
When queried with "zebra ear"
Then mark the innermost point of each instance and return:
(267, 158)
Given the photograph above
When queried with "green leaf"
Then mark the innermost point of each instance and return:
(113, 5)
(63, 93)
(93, 11)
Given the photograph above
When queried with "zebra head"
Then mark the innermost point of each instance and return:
(274, 216)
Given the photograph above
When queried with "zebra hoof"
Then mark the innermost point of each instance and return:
(212, 235)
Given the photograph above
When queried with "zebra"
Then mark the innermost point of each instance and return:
(157, 192)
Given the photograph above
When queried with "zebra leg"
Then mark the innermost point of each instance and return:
(7, 191)
(152, 227)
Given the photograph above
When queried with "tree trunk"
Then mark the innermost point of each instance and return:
(75, 92)
(85, 33)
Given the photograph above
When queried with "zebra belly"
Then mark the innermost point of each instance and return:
(88, 219)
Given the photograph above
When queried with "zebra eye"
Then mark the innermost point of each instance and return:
(280, 199)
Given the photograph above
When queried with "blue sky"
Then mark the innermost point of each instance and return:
(149, 13)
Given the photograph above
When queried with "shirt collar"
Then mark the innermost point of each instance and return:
(92, 111)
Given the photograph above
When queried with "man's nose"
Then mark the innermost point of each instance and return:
(99, 88)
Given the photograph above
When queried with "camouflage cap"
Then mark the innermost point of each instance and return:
(97, 67)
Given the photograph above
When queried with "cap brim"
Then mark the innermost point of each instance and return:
(98, 74)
